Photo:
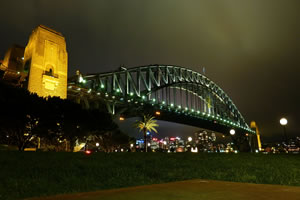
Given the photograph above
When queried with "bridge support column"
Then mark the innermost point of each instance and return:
(111, 108)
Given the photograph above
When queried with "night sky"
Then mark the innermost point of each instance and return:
(251, 49)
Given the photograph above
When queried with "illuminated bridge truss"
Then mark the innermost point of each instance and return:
(175, 89)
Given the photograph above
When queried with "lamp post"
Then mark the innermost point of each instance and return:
(232, 133)
(283, 121)
(189, 143)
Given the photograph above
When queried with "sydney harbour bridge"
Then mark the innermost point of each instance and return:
(179, 94)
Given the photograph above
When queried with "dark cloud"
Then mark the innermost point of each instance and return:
(249, 48)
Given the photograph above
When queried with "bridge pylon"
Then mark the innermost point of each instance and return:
(46, 62)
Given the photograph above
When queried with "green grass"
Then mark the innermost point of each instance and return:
(31, 174)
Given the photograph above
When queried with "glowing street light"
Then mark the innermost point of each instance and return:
(232, 132)
(283, 121)
(190, 139)
(88, 152)
(157, 113)
(194, 150)
(122, 118)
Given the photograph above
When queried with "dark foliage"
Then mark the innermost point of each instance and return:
(26, 120)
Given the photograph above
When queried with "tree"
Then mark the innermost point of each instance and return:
(147, 124)
(19, 115)
(65, 121)
(99, 122)
(69, 122)
(25, 117)
(102, 129)
(111, 140)
(241, 142)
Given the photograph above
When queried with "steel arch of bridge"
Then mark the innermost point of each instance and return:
(173, 87)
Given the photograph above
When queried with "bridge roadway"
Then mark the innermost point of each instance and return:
(190, 190)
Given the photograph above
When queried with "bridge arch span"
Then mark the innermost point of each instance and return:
(161, 86)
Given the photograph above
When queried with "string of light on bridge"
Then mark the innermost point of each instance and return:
(171, 107)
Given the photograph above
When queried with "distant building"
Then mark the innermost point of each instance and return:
(12, 65)
(205, 140)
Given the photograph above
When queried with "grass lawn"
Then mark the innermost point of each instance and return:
(31, 174)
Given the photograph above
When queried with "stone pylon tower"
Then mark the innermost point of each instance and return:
(46, 62)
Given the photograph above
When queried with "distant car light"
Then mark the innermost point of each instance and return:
(88, 152)
(179, 149)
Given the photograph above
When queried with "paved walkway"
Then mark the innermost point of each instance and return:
(190, 190)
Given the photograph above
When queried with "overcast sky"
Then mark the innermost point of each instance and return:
(251, 49)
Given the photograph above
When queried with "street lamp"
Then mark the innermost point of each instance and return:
(232, 132)
(283, 121)
(122, 118)
(190, 139)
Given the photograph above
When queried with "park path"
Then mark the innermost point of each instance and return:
(190, 190)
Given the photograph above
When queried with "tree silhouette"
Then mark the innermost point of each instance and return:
(19, 115)
(25, 117)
